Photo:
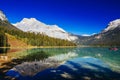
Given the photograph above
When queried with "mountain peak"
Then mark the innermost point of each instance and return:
(112, 25)
(34, 25)
(26, 20)
(29, 19)
(30, 22)
(2, 16)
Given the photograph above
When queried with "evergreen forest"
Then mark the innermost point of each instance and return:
(31, 38)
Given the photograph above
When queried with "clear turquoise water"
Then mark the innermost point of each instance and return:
(112, 58)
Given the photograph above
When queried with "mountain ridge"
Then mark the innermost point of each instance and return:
(26, 38)
(33, 25)
(108, 37)
(5, 23)
(112, 25)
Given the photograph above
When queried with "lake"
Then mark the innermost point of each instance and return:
(109, 57)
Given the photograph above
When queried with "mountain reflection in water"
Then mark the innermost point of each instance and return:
(108, 57)
(87, 68)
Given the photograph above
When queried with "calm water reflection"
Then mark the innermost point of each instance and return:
(112, 58)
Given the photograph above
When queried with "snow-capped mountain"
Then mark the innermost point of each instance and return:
(2, 16)
(112, 25)
(109, 36)
(4, 21)
(33, 25)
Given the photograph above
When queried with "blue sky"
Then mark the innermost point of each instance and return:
(75, 16)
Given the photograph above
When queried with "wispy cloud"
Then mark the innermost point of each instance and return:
(88, 34)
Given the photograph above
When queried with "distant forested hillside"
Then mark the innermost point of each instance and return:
(34, 39)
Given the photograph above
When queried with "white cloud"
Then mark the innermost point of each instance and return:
(88, 34)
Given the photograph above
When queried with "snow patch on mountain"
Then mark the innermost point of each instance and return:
(33, 25)
(2, 16)
(112, 25)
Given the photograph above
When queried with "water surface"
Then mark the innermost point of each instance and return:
(111, 58)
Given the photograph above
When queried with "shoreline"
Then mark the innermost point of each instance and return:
(29, 47)
(19, 49)
(40, 47)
